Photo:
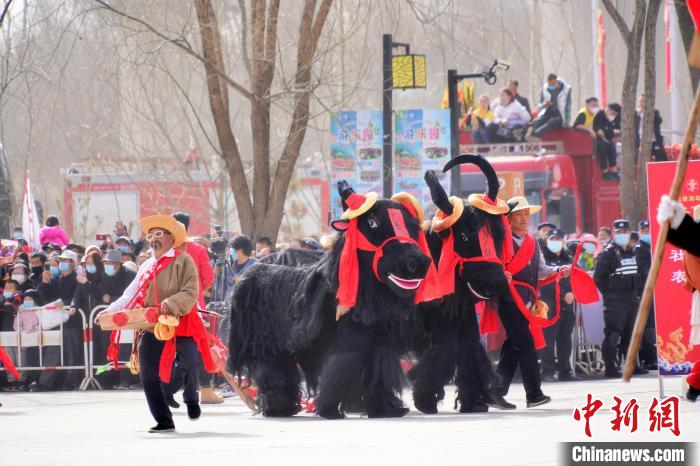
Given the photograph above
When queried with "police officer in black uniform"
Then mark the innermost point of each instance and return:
(558, 335)
(618, 278)
(647, 351)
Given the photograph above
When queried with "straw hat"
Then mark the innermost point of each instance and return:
(358, 204)
(483, 202)
(166, 222)
(521, 203)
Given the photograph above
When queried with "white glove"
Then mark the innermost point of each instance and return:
(670, 210)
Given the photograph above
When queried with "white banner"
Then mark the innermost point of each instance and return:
(30, 217)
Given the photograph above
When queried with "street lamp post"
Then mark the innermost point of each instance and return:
(453, 80)
(411, 75)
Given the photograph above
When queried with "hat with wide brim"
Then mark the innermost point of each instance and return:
(358, 204)
(521, 203)
(165, 222)
(442, 221)
(483, 202)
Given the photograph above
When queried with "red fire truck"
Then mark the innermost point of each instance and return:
(560, 173)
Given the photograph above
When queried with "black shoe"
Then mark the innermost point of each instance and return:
(162, 428)
(640, 370)
(172, 403)
(496, 401)
(474, 408)
(612, 374)
(609, 176)
(569, 377)
(538, 401)
(39, 388)
(193, 411)
(388, 413)
(385, 405)
(548, 378)
(652, 366)
(692, 394)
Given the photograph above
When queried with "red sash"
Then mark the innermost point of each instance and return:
(190, 324)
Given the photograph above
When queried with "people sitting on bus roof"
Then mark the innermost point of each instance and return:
(510, 119)
(553, 108)
(481, 118)
(513, 86)
(584, 117)
(606, 125)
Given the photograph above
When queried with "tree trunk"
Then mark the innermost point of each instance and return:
(687, 27)
(628, 194)
(218, 101)
(640, 210)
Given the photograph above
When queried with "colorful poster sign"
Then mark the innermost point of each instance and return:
(671, 301)
(421, 143)
(356, 153)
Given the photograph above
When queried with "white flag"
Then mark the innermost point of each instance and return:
(30, 218)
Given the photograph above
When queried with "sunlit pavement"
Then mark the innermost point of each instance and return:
(105, 428)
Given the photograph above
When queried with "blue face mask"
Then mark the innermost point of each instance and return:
(8, 294)
(555, 246)
(27, 304)
(645, 238)
(91, 268)
(552, 88)
(17, 236)
(64, 266)
(589, 248)
(123, 248)
(622, 239)
(109, 269)
(54, 271)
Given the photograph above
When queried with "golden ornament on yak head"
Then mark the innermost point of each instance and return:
(441, 221)
(484, 202)
(407, 199)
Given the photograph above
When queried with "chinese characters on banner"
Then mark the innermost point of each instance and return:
(356, 154)
(421, 143)
(671, 301)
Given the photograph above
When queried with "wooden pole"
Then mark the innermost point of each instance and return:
(242, 394)
(643, 313)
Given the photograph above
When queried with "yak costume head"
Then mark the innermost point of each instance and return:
(468, 237)
(383, 247)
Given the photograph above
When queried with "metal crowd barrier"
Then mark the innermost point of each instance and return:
(127, 336)
(45, 338)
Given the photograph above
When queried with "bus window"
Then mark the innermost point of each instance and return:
(534, 197)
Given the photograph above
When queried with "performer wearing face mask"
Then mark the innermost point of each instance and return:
(558, 336)
(618, 277)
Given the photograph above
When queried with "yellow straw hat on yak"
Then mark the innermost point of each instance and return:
(166, 222)
(483, 202)
(358, 204)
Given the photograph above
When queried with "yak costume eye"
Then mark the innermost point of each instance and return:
(372, 222)
(463, 236)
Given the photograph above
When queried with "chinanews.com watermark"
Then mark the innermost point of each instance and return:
(626, 453)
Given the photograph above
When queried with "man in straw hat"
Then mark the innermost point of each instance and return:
(523, 334)
(168, 281)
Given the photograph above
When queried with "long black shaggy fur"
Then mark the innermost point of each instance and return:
(284, 321)
(450, 328)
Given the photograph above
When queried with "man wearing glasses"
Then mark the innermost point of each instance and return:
(168, 281)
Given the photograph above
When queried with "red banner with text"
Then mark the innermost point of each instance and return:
(672, 302)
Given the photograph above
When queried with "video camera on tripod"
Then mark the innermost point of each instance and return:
(218, 244)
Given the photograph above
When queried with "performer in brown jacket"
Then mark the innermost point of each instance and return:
(168, 281)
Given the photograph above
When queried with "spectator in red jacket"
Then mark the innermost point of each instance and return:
(206, 277)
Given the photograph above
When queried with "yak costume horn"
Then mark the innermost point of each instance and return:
(489, 201)
(437, 192)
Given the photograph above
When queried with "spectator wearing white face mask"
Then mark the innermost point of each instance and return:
(20, 274)
(556, 355)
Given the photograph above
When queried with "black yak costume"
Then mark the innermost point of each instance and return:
(466, 241)
(339, 320)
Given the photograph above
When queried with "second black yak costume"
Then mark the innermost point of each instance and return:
(466, 241)
(351, 305)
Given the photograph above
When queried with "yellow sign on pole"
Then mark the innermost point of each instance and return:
(408, 71)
